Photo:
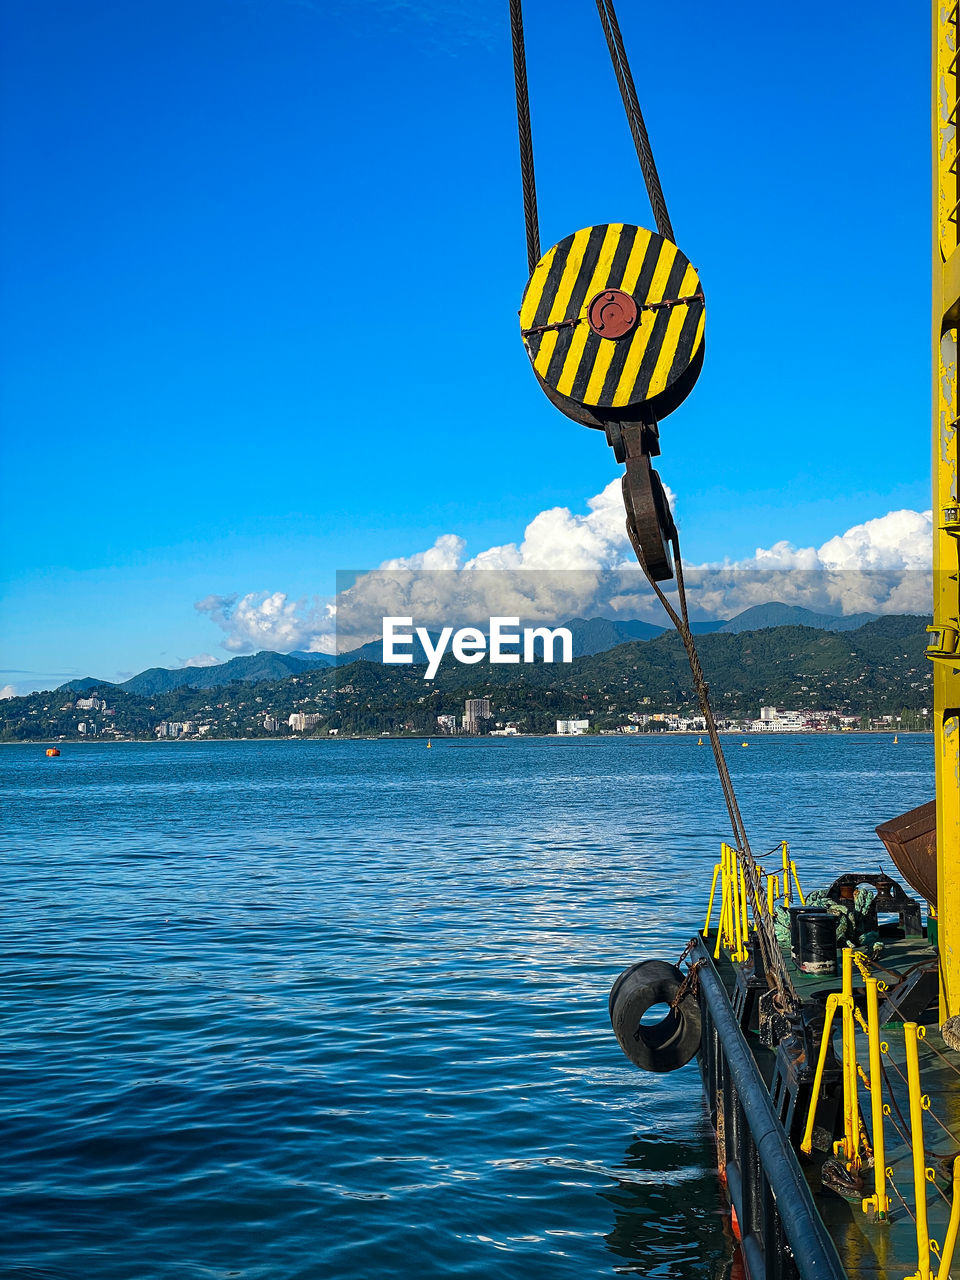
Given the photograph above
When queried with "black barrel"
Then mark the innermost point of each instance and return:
(817, 941)
(795, 930)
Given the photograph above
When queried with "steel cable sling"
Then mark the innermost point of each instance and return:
(526, 137)
(633, 434)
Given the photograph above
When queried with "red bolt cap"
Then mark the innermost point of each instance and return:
(612, 313)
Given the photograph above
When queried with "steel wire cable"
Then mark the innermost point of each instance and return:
(772, 956)
(949, 1132)
(527, 176)
(936, 1186)
(927, 1151)
(896, 1190)
(943, 1057)
(631, 105)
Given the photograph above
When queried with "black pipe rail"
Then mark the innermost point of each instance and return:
(782, 1234)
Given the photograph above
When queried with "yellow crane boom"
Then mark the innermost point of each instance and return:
(946, 511)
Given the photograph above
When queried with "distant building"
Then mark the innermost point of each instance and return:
(271, 724)
(574, 727)
(447, 724)
(774, 720)
(475, 712)
(82, 727)
(90, 704)
(301, 722)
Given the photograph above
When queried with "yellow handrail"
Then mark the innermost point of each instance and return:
(850, 1143)
(879, 1202)
(713, 890)
(833, 1003)
(785, 854)
(918, 1104)
(946, 1257)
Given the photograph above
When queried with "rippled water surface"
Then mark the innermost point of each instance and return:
(338, 1009)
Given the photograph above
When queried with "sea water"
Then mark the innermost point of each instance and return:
(339, 1009)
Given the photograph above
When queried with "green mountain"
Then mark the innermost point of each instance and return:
(313, 659)
(590, 636)
(84, 683)
(594, 635)
(251, 668)
(776, 614)
(878, 669)
(254, 668)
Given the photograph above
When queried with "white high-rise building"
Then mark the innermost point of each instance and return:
(574, 727)
(475, 712)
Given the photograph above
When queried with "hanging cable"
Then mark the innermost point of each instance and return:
(526, 137)
(771, 953)
(631, 104)
(772, 956)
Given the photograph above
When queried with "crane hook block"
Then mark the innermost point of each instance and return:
(612, 320)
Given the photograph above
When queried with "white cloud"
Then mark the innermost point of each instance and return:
(559, 539)
(446, 553)
(898, 540)
(880, 566)
(8, 691)
(570, 564)
(202, 660)
(271, 620)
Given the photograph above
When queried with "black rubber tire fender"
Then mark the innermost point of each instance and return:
(656, 1046)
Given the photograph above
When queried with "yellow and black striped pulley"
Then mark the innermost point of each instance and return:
(612, 320)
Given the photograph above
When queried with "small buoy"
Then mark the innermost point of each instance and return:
(53, 751)
(895, 739)
(429, 743)
(744, 744)
(699, 742)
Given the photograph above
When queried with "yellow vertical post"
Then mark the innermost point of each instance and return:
(851, 1101)
(786, 874)
(731, 900)
(771, 881)
(946, 514)
(916, 1142)
(713, 890)
(744, 922)
(879, 1201)
(833, 1001)
(724, 932)
(796, 881)
(949, 1244)
(737, 912)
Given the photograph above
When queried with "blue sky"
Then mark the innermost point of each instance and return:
(262, 261)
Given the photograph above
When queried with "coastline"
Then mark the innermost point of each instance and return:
(492, 739)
